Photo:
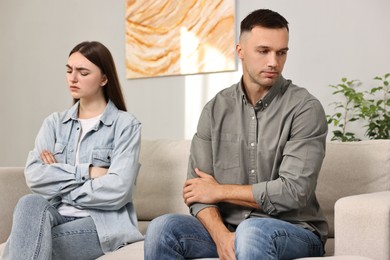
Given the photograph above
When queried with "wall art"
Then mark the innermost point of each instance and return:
(173, 37)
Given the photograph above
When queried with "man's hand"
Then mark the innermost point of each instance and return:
(225, 246)
(222, 237)
(204, 189)
(47, 157)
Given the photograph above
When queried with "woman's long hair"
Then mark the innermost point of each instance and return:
(99, 55)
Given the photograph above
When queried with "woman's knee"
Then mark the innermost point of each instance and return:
(31, 202)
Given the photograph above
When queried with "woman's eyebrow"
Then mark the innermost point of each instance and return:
(77, 68)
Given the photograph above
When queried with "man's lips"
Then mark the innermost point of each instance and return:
(74, 88)
(270, 74)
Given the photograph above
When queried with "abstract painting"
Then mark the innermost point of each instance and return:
(178, 37)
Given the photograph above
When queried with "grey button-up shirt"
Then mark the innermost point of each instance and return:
(277, 146)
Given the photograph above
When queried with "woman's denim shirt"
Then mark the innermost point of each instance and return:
(114, 143)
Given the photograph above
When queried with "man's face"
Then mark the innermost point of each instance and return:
(263, 53)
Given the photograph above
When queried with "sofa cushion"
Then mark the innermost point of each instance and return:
(352, 168)
(162, 175)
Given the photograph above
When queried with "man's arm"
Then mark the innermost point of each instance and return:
(222, 237)
(206, 189)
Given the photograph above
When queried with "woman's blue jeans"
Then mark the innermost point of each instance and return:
(40, 232)
(183, 237)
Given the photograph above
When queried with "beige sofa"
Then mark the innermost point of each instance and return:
(356, 175)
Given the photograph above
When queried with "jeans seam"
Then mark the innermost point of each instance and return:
(39, 242)
(84, 231)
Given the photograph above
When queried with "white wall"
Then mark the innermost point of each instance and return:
(328, 40)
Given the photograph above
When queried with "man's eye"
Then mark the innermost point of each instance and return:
(68, 71)
(84, 73)
(282, 53)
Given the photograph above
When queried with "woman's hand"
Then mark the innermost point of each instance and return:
(96, 172)
(47, 157)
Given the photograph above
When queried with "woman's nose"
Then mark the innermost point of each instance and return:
(73, 76)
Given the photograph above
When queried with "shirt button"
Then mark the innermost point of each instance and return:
(252, 144)
(253, 118)
(252, 171)
(246, 215)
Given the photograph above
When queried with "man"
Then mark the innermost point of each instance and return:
(254, 164)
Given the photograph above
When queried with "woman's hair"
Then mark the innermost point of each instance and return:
(264, 18)
(99, 55)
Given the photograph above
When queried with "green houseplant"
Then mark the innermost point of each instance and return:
(376, 110)
(370, 107)
(346, 110)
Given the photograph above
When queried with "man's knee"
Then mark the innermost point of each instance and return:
(259, 226)
(162, 224)
(165, 228)
(254, 230)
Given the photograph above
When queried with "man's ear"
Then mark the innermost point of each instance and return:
(239, 51)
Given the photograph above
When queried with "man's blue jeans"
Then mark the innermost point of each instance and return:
(181, 237)
(40, 232)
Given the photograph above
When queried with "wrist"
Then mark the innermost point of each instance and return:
(221, 192)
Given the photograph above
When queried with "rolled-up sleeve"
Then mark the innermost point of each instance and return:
(201, 155)
(300, 163)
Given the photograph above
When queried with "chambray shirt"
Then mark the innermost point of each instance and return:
(277, 147)
(114, 143)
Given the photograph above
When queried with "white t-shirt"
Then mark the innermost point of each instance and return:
(86, 126)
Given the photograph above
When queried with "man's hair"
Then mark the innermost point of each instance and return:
(264, 18)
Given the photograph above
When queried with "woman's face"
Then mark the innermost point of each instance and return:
(85, 79)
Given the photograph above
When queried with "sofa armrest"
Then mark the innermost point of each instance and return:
(362, 225)
(12, 188)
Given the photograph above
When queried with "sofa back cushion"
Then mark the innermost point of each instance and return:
(162, 175)
(352, 168)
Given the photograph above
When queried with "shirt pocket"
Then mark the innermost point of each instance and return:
(226, 151)
(60, 152)
(101, 157)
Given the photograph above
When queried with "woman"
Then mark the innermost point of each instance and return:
(82, 171)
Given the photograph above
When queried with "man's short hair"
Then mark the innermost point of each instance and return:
(264, 18)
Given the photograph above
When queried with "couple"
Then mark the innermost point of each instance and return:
(253, 166)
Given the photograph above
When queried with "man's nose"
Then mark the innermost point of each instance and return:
(272, 60)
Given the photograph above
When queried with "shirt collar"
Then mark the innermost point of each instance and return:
(267, 99)
(107, 118)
